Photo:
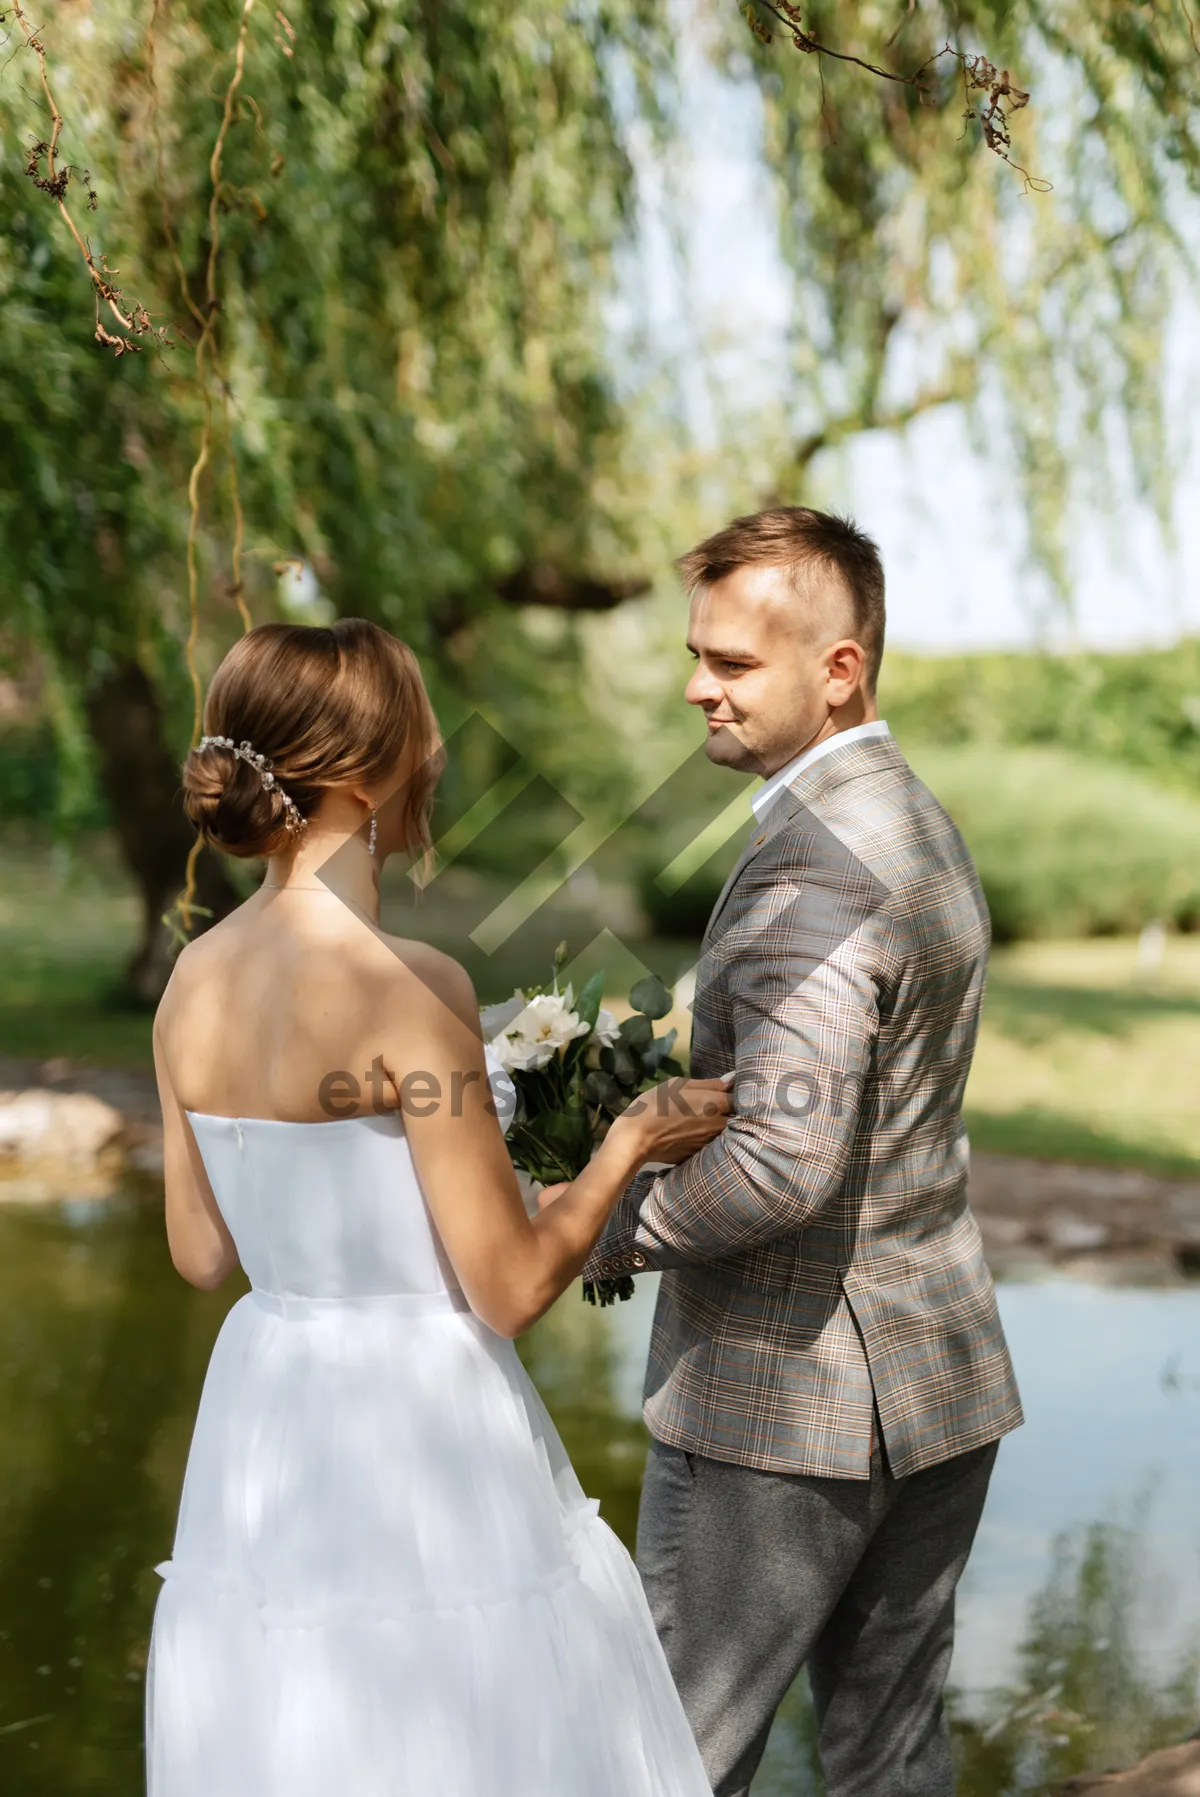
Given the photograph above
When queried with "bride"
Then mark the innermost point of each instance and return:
(386, 1580)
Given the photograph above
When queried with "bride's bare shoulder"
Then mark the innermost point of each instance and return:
(426, 969)
(219, 942)
(195, 959)
(343, 968)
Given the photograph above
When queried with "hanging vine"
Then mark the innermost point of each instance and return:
(207, 368)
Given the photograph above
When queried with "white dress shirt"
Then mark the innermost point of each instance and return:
(770, 789)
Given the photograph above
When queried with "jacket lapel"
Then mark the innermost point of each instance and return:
(747, 855)
(809, 789)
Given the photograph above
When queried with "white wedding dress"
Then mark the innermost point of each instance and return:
(386, 1581)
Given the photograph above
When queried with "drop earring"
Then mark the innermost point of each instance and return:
(372, 836)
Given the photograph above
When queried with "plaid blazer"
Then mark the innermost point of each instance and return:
(819, 1258)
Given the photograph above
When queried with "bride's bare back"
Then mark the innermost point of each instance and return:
(296, 1008)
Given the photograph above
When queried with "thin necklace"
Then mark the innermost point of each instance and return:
(327, 892)
(270, 886)
(300, 886)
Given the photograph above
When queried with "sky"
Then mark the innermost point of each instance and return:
(949, 523)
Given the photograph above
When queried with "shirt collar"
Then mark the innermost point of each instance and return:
(769, 791)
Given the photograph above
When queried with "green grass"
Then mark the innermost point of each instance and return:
(1081, 1056)
(1048, 1135)
(1084, 1057)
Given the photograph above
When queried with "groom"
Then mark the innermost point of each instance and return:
(828, 1377)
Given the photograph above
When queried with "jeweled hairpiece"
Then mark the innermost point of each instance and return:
(243, 752)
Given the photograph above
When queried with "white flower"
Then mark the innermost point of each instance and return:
(607, 1031)
(606, 1034)
(531, 1031)
(497, 1018)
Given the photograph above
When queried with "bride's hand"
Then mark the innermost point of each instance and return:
(674, 1119)
(548, 1194)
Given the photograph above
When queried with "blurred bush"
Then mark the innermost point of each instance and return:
(28, 772)
(1139, 708)
(1066, 846)
(682, 914)
(38, 786)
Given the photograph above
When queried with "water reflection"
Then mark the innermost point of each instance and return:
(1085, 1698)
(1080, 1615)
(102, 1351)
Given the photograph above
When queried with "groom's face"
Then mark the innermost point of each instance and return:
(765, 644)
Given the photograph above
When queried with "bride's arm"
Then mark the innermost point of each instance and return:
(201, 1247)
(511, 1267)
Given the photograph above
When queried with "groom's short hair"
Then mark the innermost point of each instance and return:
(794, 537)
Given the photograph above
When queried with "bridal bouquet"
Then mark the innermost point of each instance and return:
(575, 1069)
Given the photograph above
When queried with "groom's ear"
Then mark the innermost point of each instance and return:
(845, 670)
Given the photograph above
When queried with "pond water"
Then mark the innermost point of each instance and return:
(1079, 1639)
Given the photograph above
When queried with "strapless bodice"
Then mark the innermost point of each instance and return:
(325, 1212)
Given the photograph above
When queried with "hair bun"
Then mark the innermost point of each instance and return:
(296, 710)
(232, 806)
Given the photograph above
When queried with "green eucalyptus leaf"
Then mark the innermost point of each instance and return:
(658, 1051)
(600, 1088)
(587, 1005)
(568, 1135)
(651, 997)
(637, 1032)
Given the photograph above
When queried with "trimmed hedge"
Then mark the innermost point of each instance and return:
(1064, 846)
(1139, 709)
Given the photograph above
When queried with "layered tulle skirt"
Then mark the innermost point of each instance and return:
(386, 1580)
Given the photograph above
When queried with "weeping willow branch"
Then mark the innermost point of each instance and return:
(1002, 96)
(1191, 26)
(207, 348)
(237, 585)
(790, 17)
(890, 418)
(160, 168)
(239, 531)
(132, 317)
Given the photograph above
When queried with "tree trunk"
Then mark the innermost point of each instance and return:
(140, 782)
